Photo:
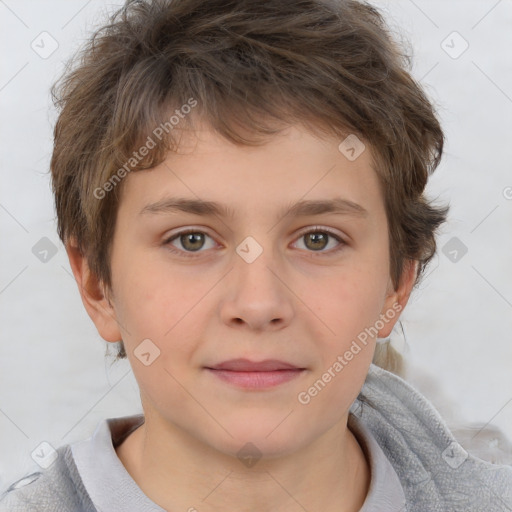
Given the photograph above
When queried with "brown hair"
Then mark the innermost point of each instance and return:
(249, 69)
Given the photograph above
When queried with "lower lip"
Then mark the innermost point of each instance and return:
(256, 380)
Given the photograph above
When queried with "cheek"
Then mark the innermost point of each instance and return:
(170, 309)
(152, 299)
(356, 296)
(163, 309)
(354, 305)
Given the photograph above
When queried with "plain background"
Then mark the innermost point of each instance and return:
(55, 383)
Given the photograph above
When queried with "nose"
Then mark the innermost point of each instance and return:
(256, 296)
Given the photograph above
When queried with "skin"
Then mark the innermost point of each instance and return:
(292, 303)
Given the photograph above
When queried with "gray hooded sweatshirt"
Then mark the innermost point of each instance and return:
(415, 462)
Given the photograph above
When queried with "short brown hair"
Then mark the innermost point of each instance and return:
(252, 68)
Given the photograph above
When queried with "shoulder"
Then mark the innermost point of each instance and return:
(57, 489)
(433, 467)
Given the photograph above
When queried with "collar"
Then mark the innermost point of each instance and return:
(111, 487)
(385, 491)
(106, 480)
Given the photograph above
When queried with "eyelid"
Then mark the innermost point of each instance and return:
(186, 231)
(323, 229)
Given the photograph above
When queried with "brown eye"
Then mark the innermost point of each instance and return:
(188, 242)
(192, 241)
(316, 240)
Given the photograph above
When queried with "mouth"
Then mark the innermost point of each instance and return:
(247, 374)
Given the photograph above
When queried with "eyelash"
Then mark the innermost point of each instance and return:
(316, 229)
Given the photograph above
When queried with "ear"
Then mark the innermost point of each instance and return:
(396, 300)
(95, 299)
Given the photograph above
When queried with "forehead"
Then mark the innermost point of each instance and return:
(290, 167)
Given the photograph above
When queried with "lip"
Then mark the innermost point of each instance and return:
(246, 365)
(247, 374)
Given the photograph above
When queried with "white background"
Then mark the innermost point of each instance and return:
(55, 383)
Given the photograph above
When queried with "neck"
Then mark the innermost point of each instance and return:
(179, 472)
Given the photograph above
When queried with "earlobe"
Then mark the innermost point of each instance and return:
(93, 295)
(397, 299)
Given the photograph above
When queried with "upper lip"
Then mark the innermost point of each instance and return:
(245, 365)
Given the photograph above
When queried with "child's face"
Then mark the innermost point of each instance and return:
(292, 303)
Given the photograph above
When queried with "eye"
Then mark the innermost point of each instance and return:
(186, 243)
(190, 241)
(317, 239)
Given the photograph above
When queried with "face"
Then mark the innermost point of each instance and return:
(225, 253)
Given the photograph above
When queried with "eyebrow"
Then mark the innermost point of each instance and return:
(336, 205)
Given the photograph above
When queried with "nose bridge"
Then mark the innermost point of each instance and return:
(252, 267)
(255, 296)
